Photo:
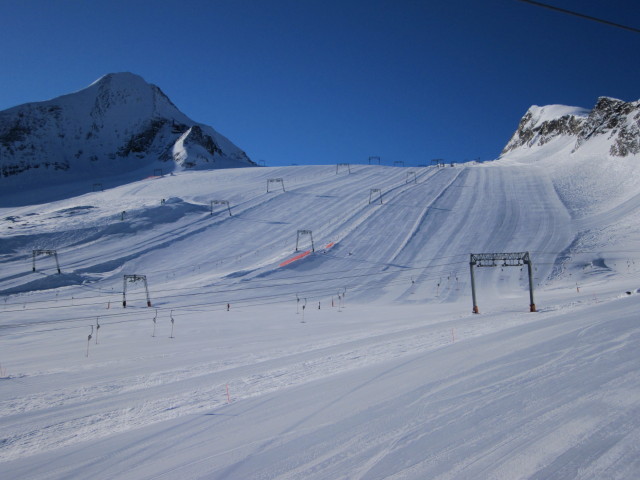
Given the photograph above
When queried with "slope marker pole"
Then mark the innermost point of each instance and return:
(89, 340)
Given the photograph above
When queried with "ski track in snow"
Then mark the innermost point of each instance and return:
(397, 380)
(265, 377)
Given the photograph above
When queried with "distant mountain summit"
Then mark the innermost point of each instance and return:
(613, 127)
(118, 124)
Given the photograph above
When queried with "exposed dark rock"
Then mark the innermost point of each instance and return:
(140, 142)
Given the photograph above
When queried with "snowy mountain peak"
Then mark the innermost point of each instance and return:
(120, 80)
(118, 125)
(127, 91)
(615, 121)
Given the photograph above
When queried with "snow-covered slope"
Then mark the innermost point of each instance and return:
(362, 359)
(118, 125)
(593, 160)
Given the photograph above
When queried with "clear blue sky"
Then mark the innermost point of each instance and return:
(324, 81)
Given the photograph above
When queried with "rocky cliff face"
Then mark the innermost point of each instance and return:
(118, 124)
(615, 121)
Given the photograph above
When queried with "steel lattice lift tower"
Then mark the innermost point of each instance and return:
(516, 259)
(302, 233)
(53, 253)
(133, 279)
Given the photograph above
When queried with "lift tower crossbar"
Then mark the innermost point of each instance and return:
(516, 259)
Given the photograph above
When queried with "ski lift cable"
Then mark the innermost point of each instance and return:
(249, 301)
(580, 15)
(78, 300)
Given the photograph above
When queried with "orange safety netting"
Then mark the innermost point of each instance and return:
(297, 257)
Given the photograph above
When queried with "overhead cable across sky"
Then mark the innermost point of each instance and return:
(581, 15)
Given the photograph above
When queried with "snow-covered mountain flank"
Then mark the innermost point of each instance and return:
(614, 120)
(117, 125)
(314, 332)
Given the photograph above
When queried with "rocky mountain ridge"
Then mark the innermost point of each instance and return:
(118, 124)
(615, 121)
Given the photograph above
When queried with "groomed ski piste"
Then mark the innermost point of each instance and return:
(361, 359)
